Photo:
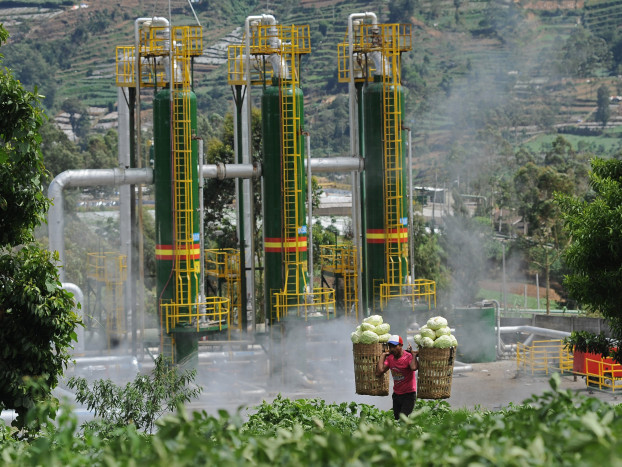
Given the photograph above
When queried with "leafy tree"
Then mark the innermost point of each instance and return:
(536, 187)
(219, 194)
(504, 21)
(321, 236)
(78, 116)
(583, 53)
(595, 254)
(59, 154)
(30, 72)
(101, 151)
(428, 255)
(400, 11)
(602, 105)
(36, 318)
(140, 402)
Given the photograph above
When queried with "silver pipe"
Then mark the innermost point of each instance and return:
(247, 155)
(158, 20)
(337, 164)
(122, 176)
(318, 165)
(222, 171)
(535, 330)
(201, 222)
(410, 207)
(529, 340)
(107, 360)
(462, 367)
(355, 149)
(86, 177)
(125, 218)
(310, 208)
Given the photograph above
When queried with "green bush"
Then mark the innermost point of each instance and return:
(556, 428)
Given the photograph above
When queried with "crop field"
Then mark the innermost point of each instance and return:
(555, 428)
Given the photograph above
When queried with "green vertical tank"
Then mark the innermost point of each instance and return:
(476, 335)
(186, 341)
(277, 249)
(375, 202)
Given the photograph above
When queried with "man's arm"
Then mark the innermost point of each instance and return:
(382, 367)
(414, 363)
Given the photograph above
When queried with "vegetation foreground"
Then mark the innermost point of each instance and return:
(556, 428)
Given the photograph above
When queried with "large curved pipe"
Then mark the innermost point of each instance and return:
(120, 176)
(535, 330)
(88, 177)
(158, 21)
(355, 150)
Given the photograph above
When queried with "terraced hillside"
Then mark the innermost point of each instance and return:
(476, 68)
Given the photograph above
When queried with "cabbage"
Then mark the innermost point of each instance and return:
(437, 322)
(368, 337)
(374, 320)
(368, 327)
(444, 331)
(443, 342)
(383, 328)
(426, 342)
(355, 337)
(428, 333)
(417, 339)
(453, 340)
(384, 337)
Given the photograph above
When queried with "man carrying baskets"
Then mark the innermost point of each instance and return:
(403, 364)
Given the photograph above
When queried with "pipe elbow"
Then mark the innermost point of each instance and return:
(58, 184)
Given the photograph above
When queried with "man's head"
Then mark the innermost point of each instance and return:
(395, 345)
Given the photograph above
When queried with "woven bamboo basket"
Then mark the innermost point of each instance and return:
(436, 369)
(366, 358)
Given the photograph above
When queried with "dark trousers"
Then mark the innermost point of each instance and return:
(403, 403)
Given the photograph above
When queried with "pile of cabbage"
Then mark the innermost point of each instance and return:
(371, 330)
(435, 333)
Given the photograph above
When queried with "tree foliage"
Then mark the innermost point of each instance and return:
(22, 203)
(140, 402)
(59, 154)
(583, 53)
(315, 433)
(36, 327)
(219, 195)
(36, 318)
(595, 254)
(602, 105)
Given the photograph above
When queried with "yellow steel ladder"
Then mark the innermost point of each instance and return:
(395, 249)
(186, 265)
(295, 267)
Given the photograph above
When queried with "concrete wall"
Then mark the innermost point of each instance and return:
(566, 323)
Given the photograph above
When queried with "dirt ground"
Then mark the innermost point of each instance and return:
(496, 384)
(489, 386)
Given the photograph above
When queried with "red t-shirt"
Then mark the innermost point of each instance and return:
(404, 380)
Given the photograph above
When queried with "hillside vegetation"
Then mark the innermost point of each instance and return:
(474, 64)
